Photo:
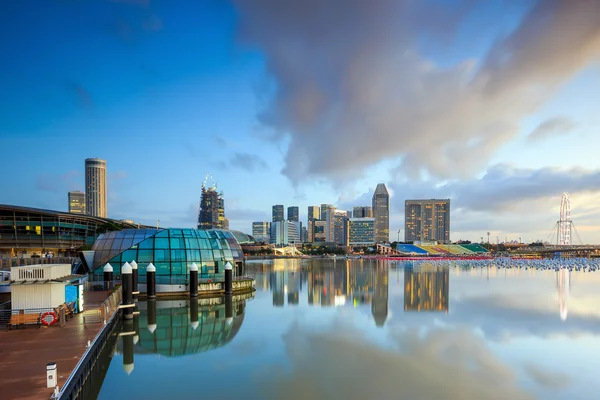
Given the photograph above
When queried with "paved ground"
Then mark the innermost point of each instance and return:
(24, 353)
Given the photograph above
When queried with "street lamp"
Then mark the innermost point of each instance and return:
(399, 234)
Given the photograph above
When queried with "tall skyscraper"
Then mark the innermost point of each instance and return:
(381, 213)
(77, 202)
(324, 209)
(95, 187)
(278, 213)
(336, 226)
(212, 208)
(427, 220)
(314, 213)
(293, 213)
(362, 212)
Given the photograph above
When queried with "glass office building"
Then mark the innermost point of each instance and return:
(172, 251)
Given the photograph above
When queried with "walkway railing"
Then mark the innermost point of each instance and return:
(106, 310)
(18, 262)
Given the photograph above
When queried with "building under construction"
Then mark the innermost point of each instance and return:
(212, 207)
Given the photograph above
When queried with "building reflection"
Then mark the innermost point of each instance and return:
(426, 288)
(176, 328)
(563, 284)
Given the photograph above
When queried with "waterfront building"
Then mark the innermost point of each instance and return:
(317, 231)
(261, 231)
(285, 233)
(172, 251)
(293, 214)
(31, 232)
(278, 213)
(381, 213)
(361, 232)
(324, 209)
(362, 212)
(336, 226)
(95, 187)
(314, 213)
(76, 202)
(212, 209)
(426, 289)
(427, 220)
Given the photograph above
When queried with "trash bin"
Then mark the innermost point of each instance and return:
(51, 375)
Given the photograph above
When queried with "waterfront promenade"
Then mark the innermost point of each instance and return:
(26, 351)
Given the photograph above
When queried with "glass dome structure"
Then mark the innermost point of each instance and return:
(172, 251)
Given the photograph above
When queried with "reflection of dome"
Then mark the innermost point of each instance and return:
(175, 336)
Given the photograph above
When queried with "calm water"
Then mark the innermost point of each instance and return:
(371, 330)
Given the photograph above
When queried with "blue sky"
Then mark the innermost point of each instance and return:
(490, 103)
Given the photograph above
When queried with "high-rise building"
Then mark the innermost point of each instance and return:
(95, 187)
(212, 209)
(278, 213)
(324, 209)
(314, 213)
(285, 233)
(427, 220)
(293, 213)
(261, 231)
(361, 232)
(336, 226)
(362, 212)
(381, 213)
(77, 202)
(317, 231)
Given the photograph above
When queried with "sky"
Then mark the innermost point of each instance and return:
(491, 103)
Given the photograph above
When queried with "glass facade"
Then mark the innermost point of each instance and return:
(172, 251)
(30, 230)
(361, 231)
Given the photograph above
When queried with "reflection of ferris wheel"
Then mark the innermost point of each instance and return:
(565, 223)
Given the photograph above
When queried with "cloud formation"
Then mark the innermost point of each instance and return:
(351, 88)
(555, 126)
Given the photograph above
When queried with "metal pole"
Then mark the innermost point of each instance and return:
(151, 281)
(228, 278)
(127, 281)
(193, 280)
(108, 276)
(134, 280)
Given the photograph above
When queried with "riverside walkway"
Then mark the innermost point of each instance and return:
(26, 351)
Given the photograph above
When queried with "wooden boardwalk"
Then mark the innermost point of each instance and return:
(24, 353)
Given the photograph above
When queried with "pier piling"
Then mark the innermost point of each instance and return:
(151, 281)
(228, 278)
(134, 280)
(193, 280)
(127, 281)
(108, 276)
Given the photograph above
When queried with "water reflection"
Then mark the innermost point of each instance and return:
(426, 288)
(563, 283)
(180, 327)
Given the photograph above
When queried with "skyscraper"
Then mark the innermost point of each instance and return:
(278, 213)
(336, 226)
(212, 208)
(293, 213)
(324, 209)
(95, 187)
(314, 213)
(427, 220)
(362, 212)
(77, 202)
(381, 213)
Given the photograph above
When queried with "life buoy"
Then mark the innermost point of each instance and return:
(45, 319)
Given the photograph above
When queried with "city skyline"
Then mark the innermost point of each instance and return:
(498, 124)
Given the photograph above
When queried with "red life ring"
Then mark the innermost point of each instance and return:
(51, 314)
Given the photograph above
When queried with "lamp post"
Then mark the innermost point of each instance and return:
(399, 234)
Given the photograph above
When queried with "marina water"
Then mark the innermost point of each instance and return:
(327, 329)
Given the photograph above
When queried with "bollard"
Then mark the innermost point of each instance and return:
(151, 316)
(194, 313)
(151, 281)
(51, 377)
(134, 280)
(228, 309)
(194, 280)
(108, 276)
(228, 278)
(127, 346)
(126, 280)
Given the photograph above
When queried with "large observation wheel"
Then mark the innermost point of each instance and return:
(565, 223)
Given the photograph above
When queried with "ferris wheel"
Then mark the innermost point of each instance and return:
(565, 223)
